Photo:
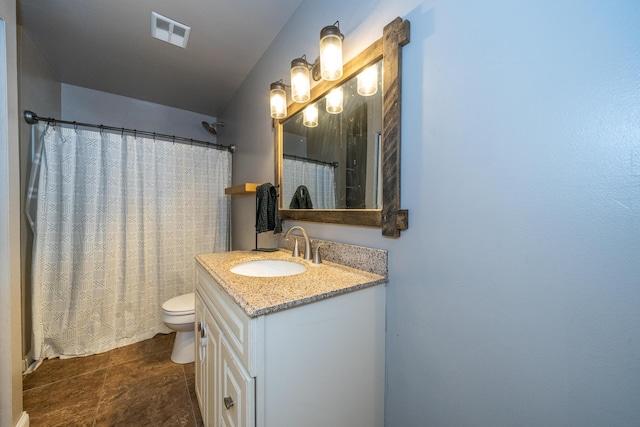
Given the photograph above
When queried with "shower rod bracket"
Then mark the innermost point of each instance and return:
(30, 117)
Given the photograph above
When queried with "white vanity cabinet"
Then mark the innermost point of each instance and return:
(317, 364)
(207, 355)
(225, 390)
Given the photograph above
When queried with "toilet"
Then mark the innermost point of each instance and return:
(179, 314)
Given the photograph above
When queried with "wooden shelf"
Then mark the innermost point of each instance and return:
(246, 188)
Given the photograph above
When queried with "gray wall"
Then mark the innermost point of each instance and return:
(513, 297)
(39, 91)
(91, 106)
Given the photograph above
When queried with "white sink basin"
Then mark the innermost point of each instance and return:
(268, 268)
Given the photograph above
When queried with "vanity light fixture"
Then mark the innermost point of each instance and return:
(334, 100)
(310, 116)
(327, 66)
(368, 81)
(331, 52)
(278, 100)
(300, 83)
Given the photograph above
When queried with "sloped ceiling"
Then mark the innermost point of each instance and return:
(106, 45)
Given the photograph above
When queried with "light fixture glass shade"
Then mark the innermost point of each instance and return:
(334, 101)
(310, 116)
(278, 101)
(300, 85)
(331, 53)
(368, 81)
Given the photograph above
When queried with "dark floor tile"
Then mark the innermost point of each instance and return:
(136, 385)
(74, 420)
(190, 375)
(147, 403)
(161, 343)
(65, 401)
(153, 369)
(52, 370)
(190, 369)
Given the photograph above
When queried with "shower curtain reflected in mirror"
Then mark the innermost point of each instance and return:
(117, 223)
(318, 179)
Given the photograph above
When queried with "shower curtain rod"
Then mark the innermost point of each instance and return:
(32, 118)
(305, 159)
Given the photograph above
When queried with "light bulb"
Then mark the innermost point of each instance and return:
(331, 53)
(278, 101)
(334, 101)
(368, 81)
(300, 86)
(310, 116)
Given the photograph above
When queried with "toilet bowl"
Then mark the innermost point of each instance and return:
(179, 314)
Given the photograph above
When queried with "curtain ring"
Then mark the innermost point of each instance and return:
(101, 129)
(135, 134)
(75, 126)
(122, 133)
(154, 136)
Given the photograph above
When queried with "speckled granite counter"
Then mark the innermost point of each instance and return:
(263, 295)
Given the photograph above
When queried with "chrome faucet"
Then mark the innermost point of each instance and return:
(307, 247)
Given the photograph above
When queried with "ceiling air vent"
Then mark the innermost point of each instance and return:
(168, 30)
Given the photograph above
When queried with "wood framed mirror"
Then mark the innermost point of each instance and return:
(369, 135)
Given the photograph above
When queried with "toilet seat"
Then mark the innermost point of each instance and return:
(182, 304)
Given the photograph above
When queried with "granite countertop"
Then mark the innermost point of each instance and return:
(262, 295)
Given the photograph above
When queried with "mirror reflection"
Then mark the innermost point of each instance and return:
(332, 157)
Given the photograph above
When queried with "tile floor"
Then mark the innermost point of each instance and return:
(136, 385)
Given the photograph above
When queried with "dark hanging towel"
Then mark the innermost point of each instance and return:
(267, 216)
(301, 199)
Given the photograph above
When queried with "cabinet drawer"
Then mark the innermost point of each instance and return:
(235, 324)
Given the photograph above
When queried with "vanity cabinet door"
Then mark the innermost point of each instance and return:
(200, 365)
(213, 337)
(207, 357)
(234, 323)
(237, 398)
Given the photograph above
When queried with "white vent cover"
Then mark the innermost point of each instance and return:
(168, 30)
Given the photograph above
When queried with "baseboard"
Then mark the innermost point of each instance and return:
(24, 420)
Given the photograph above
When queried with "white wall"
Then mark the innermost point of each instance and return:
(91, 106)
(513, 297)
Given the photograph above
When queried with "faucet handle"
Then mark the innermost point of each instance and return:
(296, 251)
(316, 257)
